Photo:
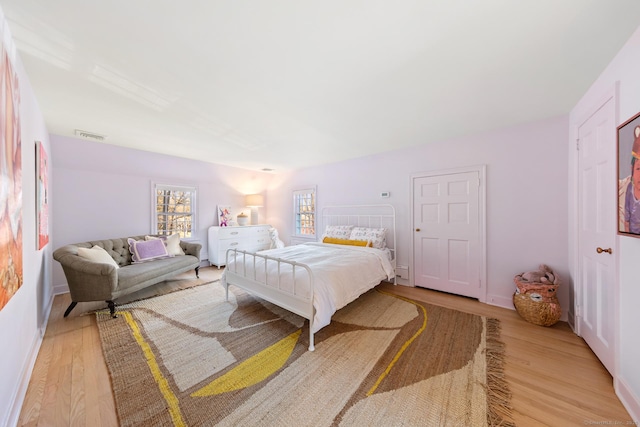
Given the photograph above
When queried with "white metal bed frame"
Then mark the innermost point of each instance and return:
(356, 215)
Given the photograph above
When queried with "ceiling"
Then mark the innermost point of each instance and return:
(287, 84)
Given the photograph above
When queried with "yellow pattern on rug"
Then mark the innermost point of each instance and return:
(404, 346)
(163, 385)
(253, 370)
(193, 358)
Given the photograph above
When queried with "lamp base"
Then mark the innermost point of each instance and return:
(254, 216)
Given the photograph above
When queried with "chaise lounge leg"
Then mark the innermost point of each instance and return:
(71, 307)
(197, 274)
(112, 309)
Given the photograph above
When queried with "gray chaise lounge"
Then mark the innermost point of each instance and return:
(93, 281)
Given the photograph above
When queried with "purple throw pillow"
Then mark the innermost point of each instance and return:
(147, 250)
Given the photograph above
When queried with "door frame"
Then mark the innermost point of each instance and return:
(482, 223)
(612, 93)
(575, 219)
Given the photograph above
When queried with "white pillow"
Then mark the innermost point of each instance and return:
(338, 231)
(377, 236)
(97, 254)
(172, 243)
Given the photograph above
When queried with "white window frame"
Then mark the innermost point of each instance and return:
(193, 190)
(298, 195)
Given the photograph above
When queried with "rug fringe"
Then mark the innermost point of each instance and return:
(499, 412)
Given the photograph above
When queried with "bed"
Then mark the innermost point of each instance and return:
(355, 252)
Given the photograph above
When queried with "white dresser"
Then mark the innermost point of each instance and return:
(251, 238)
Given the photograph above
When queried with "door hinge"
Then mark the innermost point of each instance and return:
(578, 144)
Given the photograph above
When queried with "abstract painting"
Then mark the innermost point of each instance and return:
(224, 216)
(11, 273)
(42, 196)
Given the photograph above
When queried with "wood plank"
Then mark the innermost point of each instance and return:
(554, 377)
(77, 413)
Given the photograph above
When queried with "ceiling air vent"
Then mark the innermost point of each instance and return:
(90, 135)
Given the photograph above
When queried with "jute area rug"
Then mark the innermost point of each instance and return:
(191, 358)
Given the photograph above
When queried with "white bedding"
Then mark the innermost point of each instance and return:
(342, 273)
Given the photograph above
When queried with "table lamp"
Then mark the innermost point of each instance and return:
(254, 201)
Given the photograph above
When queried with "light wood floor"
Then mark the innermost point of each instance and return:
(554, 377)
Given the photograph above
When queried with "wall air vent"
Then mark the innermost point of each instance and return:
(90, 135)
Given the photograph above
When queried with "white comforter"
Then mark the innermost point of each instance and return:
(341, 274)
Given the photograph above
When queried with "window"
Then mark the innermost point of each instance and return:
(304, 212)
(175, 210)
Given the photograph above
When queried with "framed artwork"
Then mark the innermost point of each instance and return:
(11, 260)
(629, 177)
(224, 216)
(42, 196)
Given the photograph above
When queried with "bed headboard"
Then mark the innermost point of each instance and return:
(374, 216)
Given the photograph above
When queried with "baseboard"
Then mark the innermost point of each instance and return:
(500, 301)
(629, 400)
(571, 320)
(27, 369)
(403, 282)
(60, 289)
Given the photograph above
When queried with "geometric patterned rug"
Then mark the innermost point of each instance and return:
(189, 358)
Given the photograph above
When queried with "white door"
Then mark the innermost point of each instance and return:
(597, 202)
(448, 225)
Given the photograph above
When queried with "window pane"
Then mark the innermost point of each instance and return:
(304, 212)
(175, 213)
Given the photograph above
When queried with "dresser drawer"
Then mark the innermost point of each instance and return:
(250, 238)
(223, 245)
(229, 233)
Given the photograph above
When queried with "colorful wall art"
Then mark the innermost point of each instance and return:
(224, 216)
(11, 274)
(42, 196)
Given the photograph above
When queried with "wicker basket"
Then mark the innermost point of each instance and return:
(534, 309)
(546, 290)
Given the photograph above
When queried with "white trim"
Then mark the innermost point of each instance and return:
(15, 408)
(629, 399)
(575, 218)
(175, 187)
(482, 221)
(305, 190)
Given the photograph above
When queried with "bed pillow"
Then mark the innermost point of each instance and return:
(97, 254)
(171, 242)
(336, 241)
(147, 250)
(338, 231)
(377, 236)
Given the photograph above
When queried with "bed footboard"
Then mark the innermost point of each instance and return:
(252, 272)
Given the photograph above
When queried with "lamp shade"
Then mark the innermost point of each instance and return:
(254, 200)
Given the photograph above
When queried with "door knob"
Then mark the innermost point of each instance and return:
(608, 250)
(417, 229)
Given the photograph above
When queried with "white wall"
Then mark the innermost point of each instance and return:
(24, 315)
(526, 196)
(625, 71)
(103, 191)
